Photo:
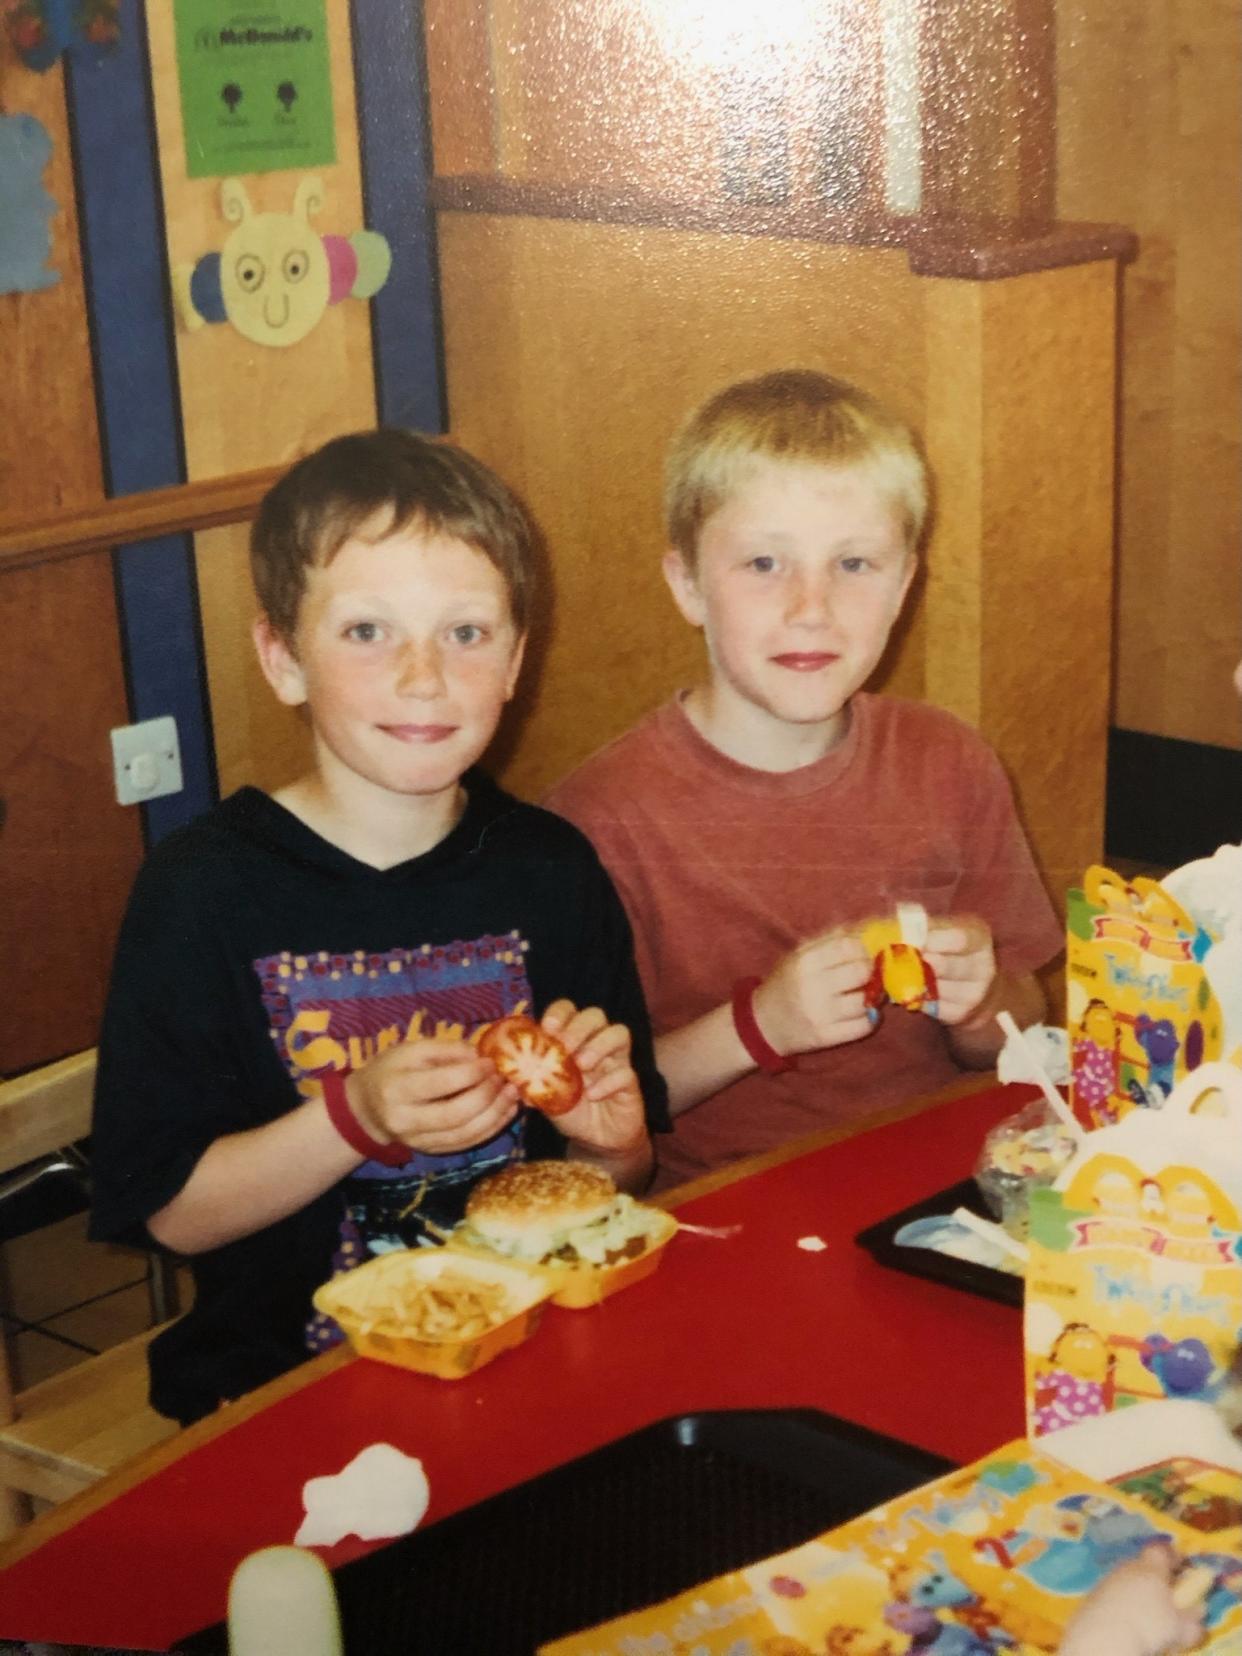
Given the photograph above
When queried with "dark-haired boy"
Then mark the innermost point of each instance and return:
(286, 1078)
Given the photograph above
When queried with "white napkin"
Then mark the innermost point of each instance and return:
(381, 1492)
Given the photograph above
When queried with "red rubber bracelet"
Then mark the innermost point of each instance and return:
(749, 1033)
(392, 1154)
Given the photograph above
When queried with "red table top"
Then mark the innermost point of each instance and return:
(748, 1322)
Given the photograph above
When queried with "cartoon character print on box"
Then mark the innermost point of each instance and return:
(1134, 1283)
(991, 1560)
(332, 1011)
(40, 30)
(1141, 1011)
(1018, 1541)
(1206, 1498)
(275, 276)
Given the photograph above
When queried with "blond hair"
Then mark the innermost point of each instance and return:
(795, 415)
(380, 483)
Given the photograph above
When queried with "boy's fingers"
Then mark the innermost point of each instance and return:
(839, 949)
(557, 1016)
(957, 935)
(966, 968)
(456, 1138)
(469, 1118)
(946, 942)
(488, 1119)
(433, 1054)
(611, 1042)
(612, 1083)
(580, 1028)
(610, 1124)
(957, 968)
(447, 1078)
(848, 978)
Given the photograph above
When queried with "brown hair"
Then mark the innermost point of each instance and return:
(386, 480)
(797, 415)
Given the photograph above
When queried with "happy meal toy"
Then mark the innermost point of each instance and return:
(899, 972)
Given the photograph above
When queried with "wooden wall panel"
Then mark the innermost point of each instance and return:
(781, 102)
(989, 107)
(68, 851)
(1150, 133)
(591, 95)
(771, 105)
(572, 352)
(257, 739)
(246, 405)
(1019, 600)
(46, 390)
(462, 89)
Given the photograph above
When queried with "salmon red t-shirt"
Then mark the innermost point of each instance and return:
(723, 869)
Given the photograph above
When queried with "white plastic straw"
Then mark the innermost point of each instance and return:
(1043, 1080)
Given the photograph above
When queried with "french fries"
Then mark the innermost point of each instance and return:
(450, 1306)
(434, 1312)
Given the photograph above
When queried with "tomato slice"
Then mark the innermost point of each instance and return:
(539, 1066)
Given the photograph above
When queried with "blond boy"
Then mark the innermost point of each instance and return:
(287, 1079)
(755, 821)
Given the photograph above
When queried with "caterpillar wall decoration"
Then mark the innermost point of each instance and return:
(275, 276)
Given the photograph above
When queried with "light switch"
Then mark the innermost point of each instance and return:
(146, 760)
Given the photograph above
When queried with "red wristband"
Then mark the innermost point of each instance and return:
(342, 1117)
(749, 1033)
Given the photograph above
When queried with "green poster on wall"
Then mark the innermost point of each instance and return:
(256, 86)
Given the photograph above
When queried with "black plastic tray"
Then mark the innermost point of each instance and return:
(633, 1523)
(938, 1267)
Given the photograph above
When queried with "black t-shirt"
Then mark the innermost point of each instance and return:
(255, 956)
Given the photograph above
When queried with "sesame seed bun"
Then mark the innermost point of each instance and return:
(539, 1198)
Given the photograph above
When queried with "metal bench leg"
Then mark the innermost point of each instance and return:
(163, 1288)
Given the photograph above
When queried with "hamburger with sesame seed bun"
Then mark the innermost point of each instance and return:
(566, 1216)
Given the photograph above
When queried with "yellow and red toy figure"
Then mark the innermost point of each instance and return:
(899, 972)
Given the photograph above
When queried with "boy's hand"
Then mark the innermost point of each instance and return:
(959, 951)
(609, 1117)
(1133, 1612)
(436, 1096)
(814, 996)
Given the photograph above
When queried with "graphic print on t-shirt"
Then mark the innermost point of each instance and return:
(331, 1011)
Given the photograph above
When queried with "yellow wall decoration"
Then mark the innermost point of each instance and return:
(274, 277)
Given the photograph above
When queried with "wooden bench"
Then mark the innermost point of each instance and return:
(64, 1433)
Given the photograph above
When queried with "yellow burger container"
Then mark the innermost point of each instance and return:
(346, 1298)
(581, 1285)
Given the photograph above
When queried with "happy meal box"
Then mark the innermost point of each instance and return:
(1140, 1006)
(1134, 1280)
(990, 1560)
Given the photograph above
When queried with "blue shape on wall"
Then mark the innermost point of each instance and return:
(25, 206)
(40, 30)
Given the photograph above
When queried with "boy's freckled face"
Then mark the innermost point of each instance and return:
(406, 653)
(801, 574)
